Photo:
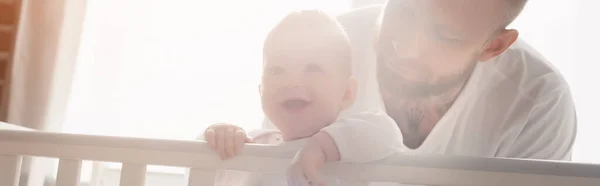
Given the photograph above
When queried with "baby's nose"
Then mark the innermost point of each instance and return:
(294, 81)
(294, 89)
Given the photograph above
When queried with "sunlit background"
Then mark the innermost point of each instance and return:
(167, 69)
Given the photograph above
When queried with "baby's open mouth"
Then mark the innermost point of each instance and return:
(295, 105)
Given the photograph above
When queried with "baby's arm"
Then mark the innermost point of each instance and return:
(362, 137)
(359, 138)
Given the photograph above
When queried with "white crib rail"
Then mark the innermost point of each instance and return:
(136, 153)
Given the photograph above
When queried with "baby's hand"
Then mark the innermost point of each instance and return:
(226, 139)
(305, 166)
(304, 170)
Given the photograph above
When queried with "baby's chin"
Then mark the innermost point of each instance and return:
(299, 128)
(291, 135)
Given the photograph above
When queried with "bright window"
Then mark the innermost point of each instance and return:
(167, 69)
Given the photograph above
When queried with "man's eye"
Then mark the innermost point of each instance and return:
(313, 68)
(447, 38)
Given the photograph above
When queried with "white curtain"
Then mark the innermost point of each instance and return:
(44, 57)
(167, 69)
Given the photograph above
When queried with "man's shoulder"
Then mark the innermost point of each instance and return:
(516, 99)
(541, 105)
(517, 82)
(529, 71)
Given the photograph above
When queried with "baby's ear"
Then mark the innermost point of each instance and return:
(349, 93)
(260, 90)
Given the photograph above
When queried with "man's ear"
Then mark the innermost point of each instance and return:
(499, 44)
(349, 93)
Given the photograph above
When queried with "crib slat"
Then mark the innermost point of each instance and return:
(200, 177)
(68, 172)
(354, 183)
(133, 175)
(10, 168)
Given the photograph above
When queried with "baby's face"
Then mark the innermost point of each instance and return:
(301, 94)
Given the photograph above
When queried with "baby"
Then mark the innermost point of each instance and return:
(306, 83)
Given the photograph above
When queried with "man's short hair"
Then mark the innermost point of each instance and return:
(311, 26)
(513, 9)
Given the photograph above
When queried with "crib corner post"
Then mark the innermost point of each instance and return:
(10, 169)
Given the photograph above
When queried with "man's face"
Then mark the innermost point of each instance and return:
(426, 47)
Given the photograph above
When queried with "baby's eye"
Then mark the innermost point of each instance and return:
(313, 68)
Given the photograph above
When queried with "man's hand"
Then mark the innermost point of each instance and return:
(226, 139)
(305, 166)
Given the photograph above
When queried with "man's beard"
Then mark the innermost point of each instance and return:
(410, 102)
(395, 85)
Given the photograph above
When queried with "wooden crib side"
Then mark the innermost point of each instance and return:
(137, 153)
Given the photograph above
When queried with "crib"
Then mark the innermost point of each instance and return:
(136, 154)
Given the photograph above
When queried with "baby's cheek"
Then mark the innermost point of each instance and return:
(270, 110)
(327, 115)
